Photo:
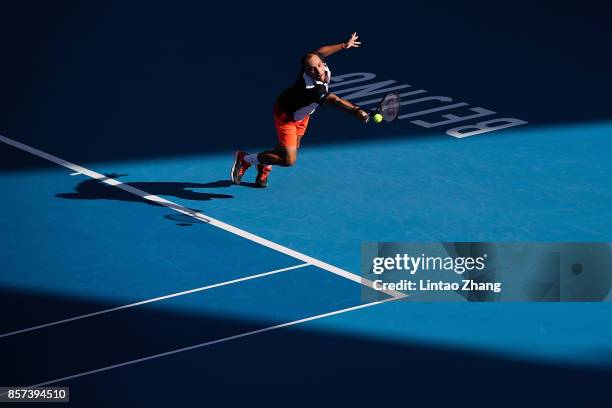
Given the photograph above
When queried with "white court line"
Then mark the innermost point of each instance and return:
(200, 216)
(157, 299)
(210, 343)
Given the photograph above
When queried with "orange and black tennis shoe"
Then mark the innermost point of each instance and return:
(262, 175)
(240, 167)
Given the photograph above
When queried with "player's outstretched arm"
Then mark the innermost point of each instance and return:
(348, 107)
(331, 49)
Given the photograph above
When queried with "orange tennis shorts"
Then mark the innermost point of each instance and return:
(289, 131)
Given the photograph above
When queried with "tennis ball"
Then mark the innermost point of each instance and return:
(378, 118)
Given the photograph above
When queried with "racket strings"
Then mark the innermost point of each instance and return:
(390, 107)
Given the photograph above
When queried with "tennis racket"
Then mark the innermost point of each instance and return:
(389, 107)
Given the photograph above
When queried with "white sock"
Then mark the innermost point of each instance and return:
(251, 158)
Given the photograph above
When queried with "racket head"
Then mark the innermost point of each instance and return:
(389, 107)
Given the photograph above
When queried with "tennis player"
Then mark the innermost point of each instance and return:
(292, 112)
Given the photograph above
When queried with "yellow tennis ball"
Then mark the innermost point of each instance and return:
(378, 118)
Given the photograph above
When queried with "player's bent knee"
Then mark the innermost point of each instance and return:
(289, 156)
(290, 160)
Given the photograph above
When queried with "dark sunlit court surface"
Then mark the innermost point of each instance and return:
(137, 274)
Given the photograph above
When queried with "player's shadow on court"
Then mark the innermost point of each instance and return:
(94, 189)
(227, 183)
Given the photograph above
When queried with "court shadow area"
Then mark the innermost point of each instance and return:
(94, 189)
(128, 89)
(343, 368)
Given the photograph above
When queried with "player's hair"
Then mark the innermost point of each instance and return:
(306, 56)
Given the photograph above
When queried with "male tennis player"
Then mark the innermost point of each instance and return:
(292, 112)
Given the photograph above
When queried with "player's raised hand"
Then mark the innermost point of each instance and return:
(352, 42)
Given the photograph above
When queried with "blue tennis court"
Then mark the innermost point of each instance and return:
(135, 272)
